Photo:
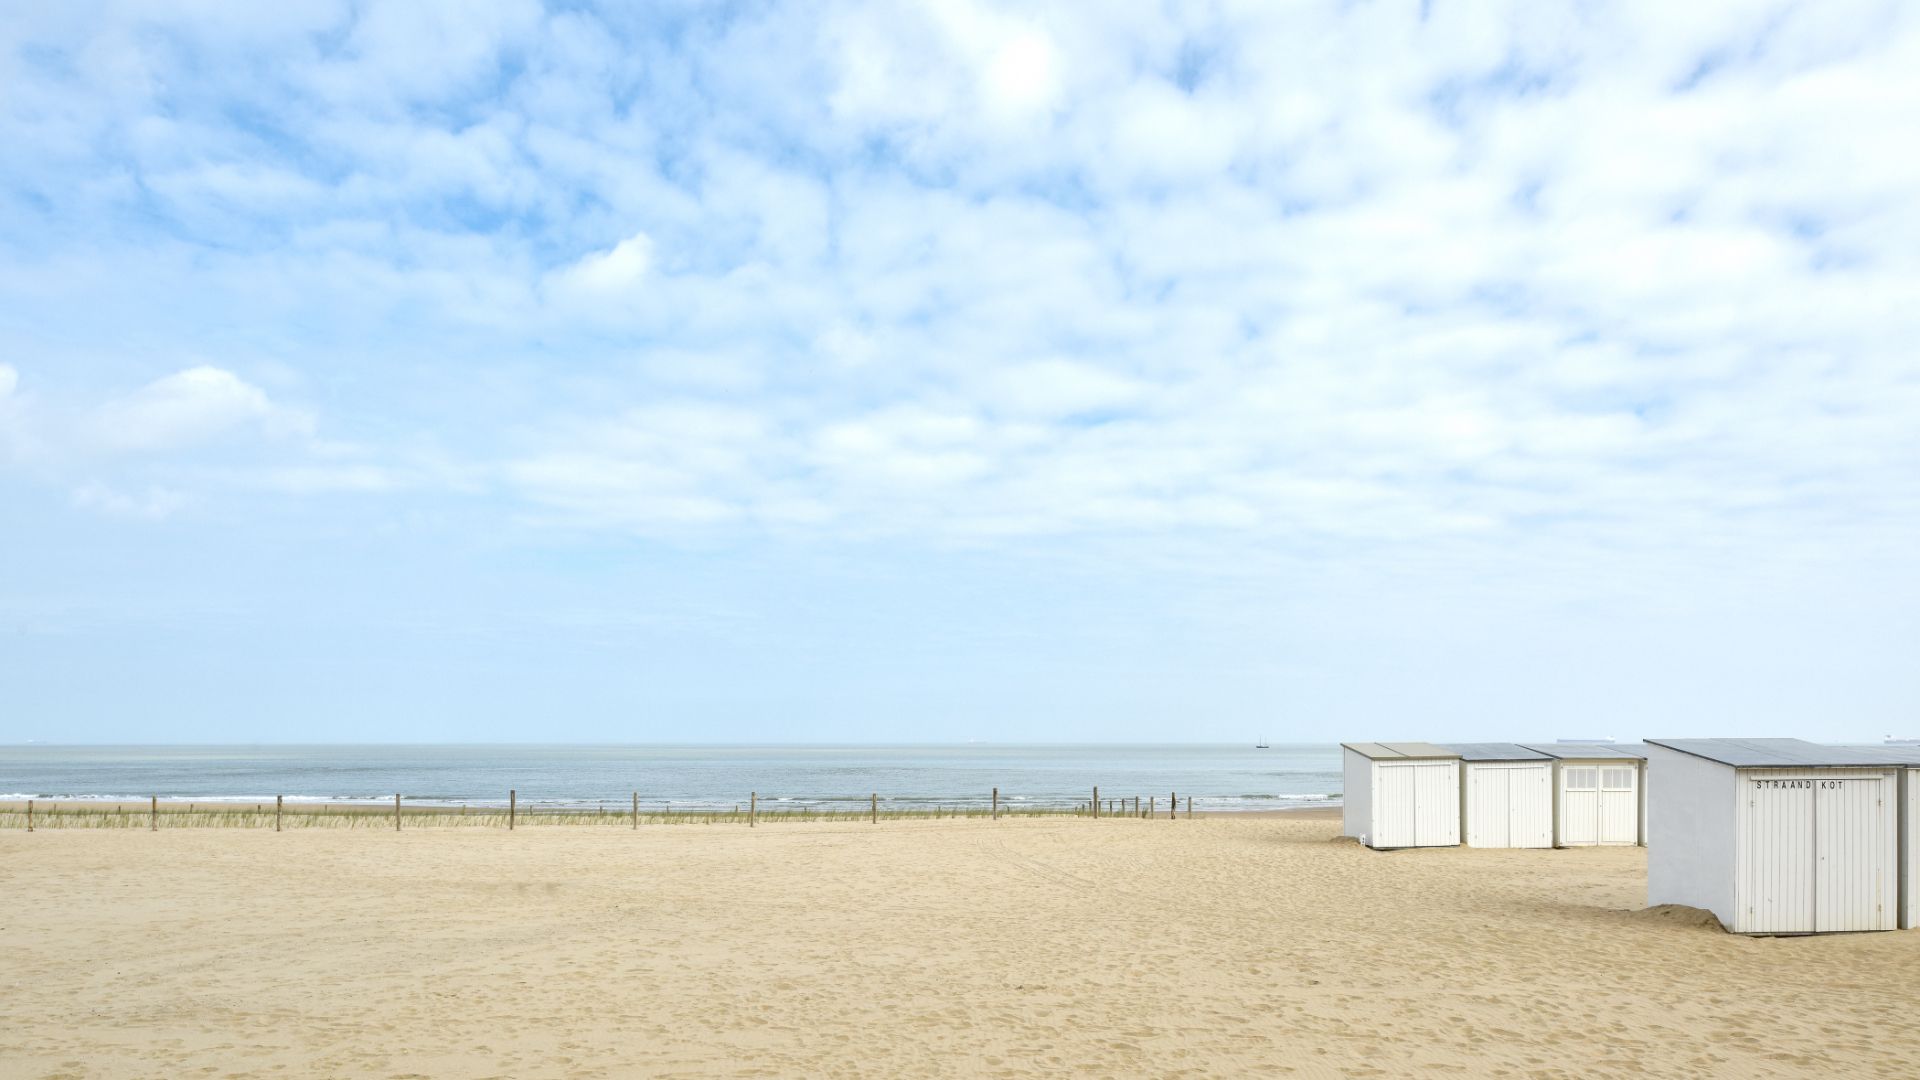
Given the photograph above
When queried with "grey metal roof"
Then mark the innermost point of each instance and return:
(1496, 751)
(1786, 753)
(1891, 753)
(1392, 751)
(1573, 751)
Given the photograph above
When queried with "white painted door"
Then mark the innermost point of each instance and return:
(1619, 815)
(1489, 806)
(1393, 806)
(1816, 852)
(1580, 805)
(1437, 799)
(1510, 805)
(1853, 850)
(1776, 856)
(1530, 802)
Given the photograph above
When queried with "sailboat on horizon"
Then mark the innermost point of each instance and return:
(1262, 744)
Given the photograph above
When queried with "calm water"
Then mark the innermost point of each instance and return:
(693, 777)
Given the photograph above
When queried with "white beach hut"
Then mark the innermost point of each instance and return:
(1910, 844)
(1400, 795)
(1775, 836)
(1507, 795)
(1905, 756)
(1600, 794)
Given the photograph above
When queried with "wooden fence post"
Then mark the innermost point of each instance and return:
(753, 807)
(873, 808)
(396, 811)
(513, 804)
(153, 813)
(996, 804)
(1096, 801)
(1173, 804)
(636, 810)
(279, 804)
(1189, 808)
(1150, 804)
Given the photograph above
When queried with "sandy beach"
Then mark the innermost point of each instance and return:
(1212, 947)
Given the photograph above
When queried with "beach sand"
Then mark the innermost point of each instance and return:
(1043, 947)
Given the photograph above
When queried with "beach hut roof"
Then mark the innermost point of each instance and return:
(1787, 753)
(1496, 751)
(1400, 751)
(1890, 753)
(1578, 751)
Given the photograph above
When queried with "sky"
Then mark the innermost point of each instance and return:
(932, 372)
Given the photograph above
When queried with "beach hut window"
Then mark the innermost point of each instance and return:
(1582, 779)
(1617, 779)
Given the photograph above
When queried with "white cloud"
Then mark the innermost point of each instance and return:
(1333, 270)
(15, 440)
(1160, 133)
(608, 274)
(187, 408)
(1021, 75)
(1064, 389)
(674, 464)
(151, 504)
(949, 69)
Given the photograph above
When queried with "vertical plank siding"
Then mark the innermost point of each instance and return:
(1509, 804)
(1436, 803)
(1910, 838)
(1817, 851)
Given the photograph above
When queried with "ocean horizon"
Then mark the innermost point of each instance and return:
(1217, 777)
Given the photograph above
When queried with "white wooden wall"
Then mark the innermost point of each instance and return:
(1910, 837)
(1691, 821)
(1356, 796)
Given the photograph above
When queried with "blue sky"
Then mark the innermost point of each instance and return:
(946, 371)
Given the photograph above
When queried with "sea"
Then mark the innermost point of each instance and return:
(1218, 778)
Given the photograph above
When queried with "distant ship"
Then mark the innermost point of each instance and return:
(1262, 744)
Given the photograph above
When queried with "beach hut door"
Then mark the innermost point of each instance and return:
(1776, 879)
(1852, 842)
(1619, 821)
(1509, 806)
(1438, 801)
(1580, 809)
(1395, 808)
(1490, 817)
(1417, 804)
